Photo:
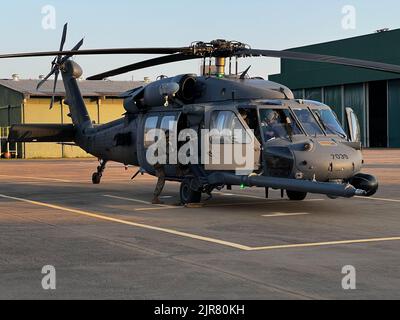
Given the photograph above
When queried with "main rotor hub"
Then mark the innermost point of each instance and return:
(217, 48)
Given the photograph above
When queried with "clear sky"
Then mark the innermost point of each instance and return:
(126, 23)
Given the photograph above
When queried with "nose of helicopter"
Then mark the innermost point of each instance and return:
(326, 161)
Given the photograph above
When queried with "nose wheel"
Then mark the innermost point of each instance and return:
(96, 177)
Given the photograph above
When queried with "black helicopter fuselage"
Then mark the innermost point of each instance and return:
(122, 140)
(281, 143)
(295, 155)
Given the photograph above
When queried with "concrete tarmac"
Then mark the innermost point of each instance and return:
(109, 242)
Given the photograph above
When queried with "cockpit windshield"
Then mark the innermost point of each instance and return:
(330, 122)
(308, 122)
(278, 123)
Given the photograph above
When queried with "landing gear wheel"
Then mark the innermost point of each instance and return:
(96, 178)
(188, 195)
(296, 196)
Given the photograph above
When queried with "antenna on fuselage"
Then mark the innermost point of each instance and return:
(283, 91)
(244, 74)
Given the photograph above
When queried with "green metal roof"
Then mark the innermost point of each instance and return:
(382, 47)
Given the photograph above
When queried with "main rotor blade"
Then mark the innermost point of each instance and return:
(96, 52)
(364, 64)
(143, 64)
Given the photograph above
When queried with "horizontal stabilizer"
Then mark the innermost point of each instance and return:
(42, 133)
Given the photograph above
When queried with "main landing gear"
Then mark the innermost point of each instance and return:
(189, 192)
(96, 178)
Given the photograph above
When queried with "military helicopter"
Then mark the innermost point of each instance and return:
(297, 146)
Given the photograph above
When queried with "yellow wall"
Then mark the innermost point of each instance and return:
(37, 111)
(111, 109)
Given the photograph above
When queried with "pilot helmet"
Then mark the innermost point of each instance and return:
(271, 116)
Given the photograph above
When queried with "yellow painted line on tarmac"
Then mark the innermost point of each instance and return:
(34, 178)
(197, 237)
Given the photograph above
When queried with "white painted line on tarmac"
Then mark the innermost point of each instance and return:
(212, 205)
(201, 238)
(155, 206)
(279, 214)
(129, 223)
(379, 199)
(35, 178)
(263, 198)
(38, 183)
(127, 199)
(159, 208)
(325, 244)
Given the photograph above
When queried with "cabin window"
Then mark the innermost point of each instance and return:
(251, 119)
(151, 123)
(168, 123)
(226, 128)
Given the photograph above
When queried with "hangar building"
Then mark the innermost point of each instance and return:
(21, 103)
(374, 96)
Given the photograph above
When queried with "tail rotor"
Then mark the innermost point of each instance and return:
(57, 63)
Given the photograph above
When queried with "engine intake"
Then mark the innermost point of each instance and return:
(155, 97)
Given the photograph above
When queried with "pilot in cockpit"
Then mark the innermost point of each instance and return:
(270, 125)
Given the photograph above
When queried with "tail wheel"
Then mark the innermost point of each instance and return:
(188, 195)
(96, 178)
(296, 196)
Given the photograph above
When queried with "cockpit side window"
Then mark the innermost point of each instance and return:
(308, 122)
(278, 123)
(330, 122)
